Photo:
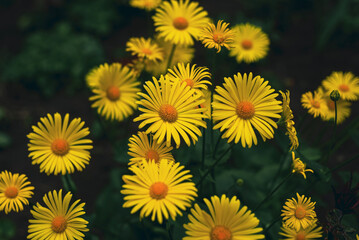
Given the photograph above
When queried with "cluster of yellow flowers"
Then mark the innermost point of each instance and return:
(320, 103)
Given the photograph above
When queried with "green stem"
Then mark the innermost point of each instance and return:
(284, 157)
(171, 56)
(272, 224)
(344, 163)
(71, 183)
(272, 192)
(335, 118)
(168, 227)
(65, 183)
(203, 146)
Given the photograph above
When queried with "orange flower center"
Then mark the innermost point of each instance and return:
(11, 192)
(113, 93)
(344, 88)
(245, 110)
(300, 236)
(168, 113)
(218, 38)
(147, 51)
(60, 147)
(247, 44)
(152, 154)
(180, 23)
(221, 233)
(158, 190)
(300, 212)
(331, 104)
(59, 224)
(189, 82)
(315, 104)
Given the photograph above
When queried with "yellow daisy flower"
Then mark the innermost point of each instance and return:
(346, 83)
(299, 214)
(195, 77)
(207, 104)
(357, 236)
(312, 232)
(59, 146)
(171, 111)
(14, 192)
(245, 103)
(287, 117)
(143, 147)
(115, 91)
(217, 36)
(299, 166)
(315, 104)
(144, 49)
(148, 5)
(57, 220)
(226, 221)
(180, 21)
(162, 189)
(250, 43)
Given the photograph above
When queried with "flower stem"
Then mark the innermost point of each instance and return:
(203, 147)
(335, 119)
(168, 227)
(68, 183)
(171, 56)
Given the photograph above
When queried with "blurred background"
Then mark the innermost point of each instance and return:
(48, 46)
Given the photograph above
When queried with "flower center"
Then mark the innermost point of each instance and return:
(221, 233)
(168, 113)
(344, 88)
(245, 110)
(189, 82)
(218, 38)
(11, 192)
(60, 147)
(158, 190)
(59, 224)
(247, 44)
(180, 23)
(152, 155)
(331, 105)
(315, 104)
(300, 212)
(147, 51)
(113, 93)
(300, 236)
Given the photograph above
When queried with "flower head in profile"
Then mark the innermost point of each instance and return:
(163, 190)
(15, 191)
(195, 77)
(315, 103)
(144, 49)
(170, 110)
(58, 219)
(115, 91)
(250, 43)
(180, 21)
(287, 118)
(299, 166)
(245, 104)
(217, 36)
(226, 220)
(310, 233)
(143, 147)
(58, 145)
(346, 83)
(299, 213)
(148, 5)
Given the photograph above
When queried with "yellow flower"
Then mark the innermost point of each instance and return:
(148, 5)
(182, 54)
(250, 43)
(58, 220)
(144, 49)
(14, 192)
(59, 146)
(357, 237)
(162, 189)
(142, 147)
(299, 166)
(207, 104)
(217, 36)
(115, 91)
(194, 77)
(315, 104)
(299, 214)
(245, 103)
(226, 221)
(287, 117)
(180, 21)
(170, 110)
(346, 83)
(311, 232)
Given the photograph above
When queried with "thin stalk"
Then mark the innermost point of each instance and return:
(344, 163)
(282, 160)
(171, 56)
(71, 183)
(272, 224)
(203, 147)
(65, 183)
(168, 228)
(335, 118)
